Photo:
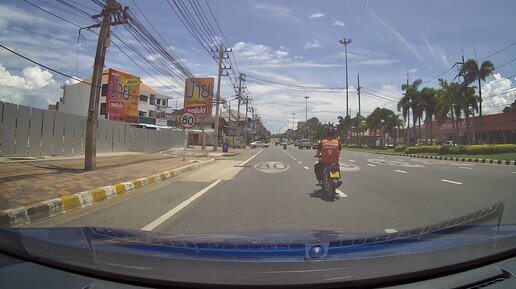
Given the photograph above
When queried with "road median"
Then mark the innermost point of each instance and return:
(446, 158)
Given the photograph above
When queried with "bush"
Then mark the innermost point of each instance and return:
(400, 149)
(421, 149)
(489, 149)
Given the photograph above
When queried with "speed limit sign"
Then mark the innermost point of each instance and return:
(187, 120)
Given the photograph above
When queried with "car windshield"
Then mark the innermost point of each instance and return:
(311, 123)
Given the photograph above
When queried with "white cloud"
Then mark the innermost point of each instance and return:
(339, 23)
(412, 70)
(496, 94)
(73, 80)
(33, 77)
(316, 15)
(276, 11)
(281, 53)
(34, 87)
(312, 44)
(376, 62)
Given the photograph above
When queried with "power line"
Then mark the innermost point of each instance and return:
(506, 47)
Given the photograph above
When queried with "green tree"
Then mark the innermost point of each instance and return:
(410, 100)
(429, 102)
(472, 72)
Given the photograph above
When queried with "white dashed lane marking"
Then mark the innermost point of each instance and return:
(390, 231)
(400, 171)
(352, 161)
(466, 168)
(299, 162)
(371, 165)
(451, 182)
(341, 194)
(306, 168)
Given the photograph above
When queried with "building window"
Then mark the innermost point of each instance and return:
(152, 99)
(103, 108)
(142, 113)
(143, 98)
(158, 101)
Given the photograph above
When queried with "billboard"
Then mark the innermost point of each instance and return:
(198, 96)
(123, 92)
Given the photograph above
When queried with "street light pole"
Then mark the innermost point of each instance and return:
(293, 114)
(345, 42)
(306, 115)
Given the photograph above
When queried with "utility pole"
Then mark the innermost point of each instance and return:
(221, 56)
(246, 117)
(293, 114)
(112, 8)
(359, 111)
(240, 78)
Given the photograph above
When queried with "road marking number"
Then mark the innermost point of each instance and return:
(271, 167)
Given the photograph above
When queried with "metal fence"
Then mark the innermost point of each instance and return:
(28, 131)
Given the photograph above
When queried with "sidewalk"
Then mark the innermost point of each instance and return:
(25, 181)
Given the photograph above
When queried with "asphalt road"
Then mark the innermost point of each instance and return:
(273, 188)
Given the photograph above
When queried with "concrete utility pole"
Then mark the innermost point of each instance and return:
(112, 8)
(241, 78)
(220, 57)
(293, 114)
(346, 42)
(359, 111)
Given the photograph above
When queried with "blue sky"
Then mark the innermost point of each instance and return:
(294, 42)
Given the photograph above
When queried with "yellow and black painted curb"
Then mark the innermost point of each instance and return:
(24, 215)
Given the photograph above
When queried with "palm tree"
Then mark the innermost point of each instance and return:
(429, 99)
(410, 100)
(472, 72)
(448, 104)
(343, 126)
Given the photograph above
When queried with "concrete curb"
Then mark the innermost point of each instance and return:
(484, 161)
(27, 214)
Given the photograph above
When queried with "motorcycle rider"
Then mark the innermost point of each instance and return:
(329, 152)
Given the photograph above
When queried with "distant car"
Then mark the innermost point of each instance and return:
(259, 144)
(449, 143)
(296, 143)
(304, 143)
(391, 145)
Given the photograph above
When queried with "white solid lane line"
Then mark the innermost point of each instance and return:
(251, 158)
(466, 168)
(175, 210)
(400, 171)
(390, 231)
(451, 182)
(371, 165)
(306, 168)
(341, 194)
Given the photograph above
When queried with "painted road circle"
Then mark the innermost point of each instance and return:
(271, 167)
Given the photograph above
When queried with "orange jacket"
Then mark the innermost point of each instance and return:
(330, 150)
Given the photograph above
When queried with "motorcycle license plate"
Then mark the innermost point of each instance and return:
(335, 174)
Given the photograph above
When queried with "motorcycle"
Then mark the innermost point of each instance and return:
(285, 146)
(331, 178)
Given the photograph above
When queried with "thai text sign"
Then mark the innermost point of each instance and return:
(122, 96)
(198, 96)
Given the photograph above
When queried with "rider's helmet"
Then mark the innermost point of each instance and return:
(331, 131)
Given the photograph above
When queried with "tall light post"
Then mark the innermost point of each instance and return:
(306, 115)
(345, 42)
(293, 114)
